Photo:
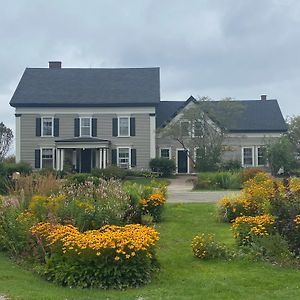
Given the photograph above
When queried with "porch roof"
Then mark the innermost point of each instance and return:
(82, 142)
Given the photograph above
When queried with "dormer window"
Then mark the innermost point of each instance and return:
(85, 127)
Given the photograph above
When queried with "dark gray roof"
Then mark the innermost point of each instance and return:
(82, 140)
(87, 87)
(253, 115)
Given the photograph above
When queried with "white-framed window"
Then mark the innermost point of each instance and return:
(248, 156)
(85, 126)
(185, 127)
(124, 157)
(124, 126)
(261, 155)
(165, 153)
(197, 130)
(47, 125)
(47, 158)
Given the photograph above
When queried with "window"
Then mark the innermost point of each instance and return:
(47, 126)
(185, 128)
(85, 127)
(261, 156)
(197, 129)
(124, 158)
(165, 153)
(124, 126)
(248, 156)
(47, 158)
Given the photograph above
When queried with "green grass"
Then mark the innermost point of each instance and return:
(182, 276)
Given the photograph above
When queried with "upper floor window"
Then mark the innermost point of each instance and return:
(47, 126)
(197, 129)
(185, 128)
(247, 156)
(85, 127)
(124, 126)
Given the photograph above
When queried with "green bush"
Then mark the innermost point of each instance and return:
(250, 173)
(204, 246)
(139, 173)
(112, 172)
(163, 166)
(79, 178)
(231, 165)
(218, 180)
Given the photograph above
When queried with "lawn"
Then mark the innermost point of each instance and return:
(182, 276)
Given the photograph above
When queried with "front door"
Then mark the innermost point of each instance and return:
(182, 161)
(86, 160)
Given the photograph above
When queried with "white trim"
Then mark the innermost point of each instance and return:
(123, 117)
(129, 156)
(85, 110)
(18, 139)
(42, 126)
(163, 148)
(80, 126)
(187, 160)
(253, 156)
(152, 136)
(41, 156)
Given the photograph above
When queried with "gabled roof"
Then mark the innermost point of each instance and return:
(254, 115)
(63, 87)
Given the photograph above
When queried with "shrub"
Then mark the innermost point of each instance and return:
(163, 166)
(217, 180)
(141, 173)
(153, 205)
(112, 172)
(111, 257)
(204, 246)
(247, 228)
(78, 178)
(250, 173)
(231, 165)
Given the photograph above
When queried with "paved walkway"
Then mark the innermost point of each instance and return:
(180, 191)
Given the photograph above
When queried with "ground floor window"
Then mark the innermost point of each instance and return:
(47, 158)
(124, 157)
(165, 153)
(261, 156)
(247, 156)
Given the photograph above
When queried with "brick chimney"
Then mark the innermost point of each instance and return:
(263, 97)
(54, 64)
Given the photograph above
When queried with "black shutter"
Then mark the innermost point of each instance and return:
(76, 127)
(115, 127)
(133, 157)
(38, 126)
(37, 158)
(132, 126)
(94, 127)
(56, 127)
(114, 156)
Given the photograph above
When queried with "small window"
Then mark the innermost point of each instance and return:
(47, 158)
(248, 156)
(185, 128)
(197, 129)
(124, 126)
(47, 126)
(261, 156)
(85, 126)
(165, 153)
(123, 158)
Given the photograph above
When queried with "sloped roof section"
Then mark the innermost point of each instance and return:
(252, 116)
(63, 87)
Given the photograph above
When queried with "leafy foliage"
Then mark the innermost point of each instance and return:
(163, 166)
(6, 138)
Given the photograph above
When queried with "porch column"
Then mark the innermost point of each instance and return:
(62, 159)
(100, 158)
(57, 159)
(104, 158)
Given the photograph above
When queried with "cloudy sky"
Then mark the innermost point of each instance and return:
(225, 48)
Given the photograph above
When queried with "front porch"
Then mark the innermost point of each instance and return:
(82, 154)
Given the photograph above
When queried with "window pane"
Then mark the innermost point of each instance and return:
(85, 124)
(261, 156)
(198, 129)
(123, 159)
(47, 126)
(47, 158)
(165, 153)
(247, 156)
(185, 126)
(124, 126)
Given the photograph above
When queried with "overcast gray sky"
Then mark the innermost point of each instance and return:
(225, 48)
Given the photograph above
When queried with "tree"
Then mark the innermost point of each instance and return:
(294, 132)
(201, 128)
(280, 154)
(6, 138)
